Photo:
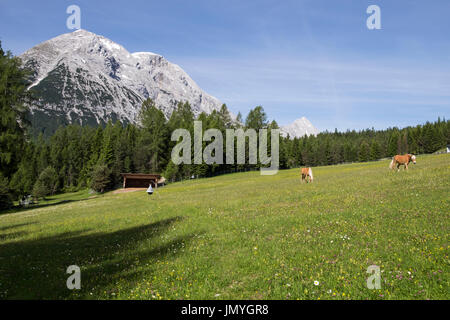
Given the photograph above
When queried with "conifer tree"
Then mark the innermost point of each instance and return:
(392, 148)
(154, 135)
(101, 178)
(375, 152)
(46, 184)
(256, 119)
(5, 194)
(13, 95)
(363, 153)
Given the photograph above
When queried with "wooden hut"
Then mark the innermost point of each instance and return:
(140, 180)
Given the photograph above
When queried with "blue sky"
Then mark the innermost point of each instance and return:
(313, 58)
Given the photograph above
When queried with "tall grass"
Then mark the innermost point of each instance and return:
(241, 236)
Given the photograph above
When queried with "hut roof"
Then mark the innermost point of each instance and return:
(141, 175)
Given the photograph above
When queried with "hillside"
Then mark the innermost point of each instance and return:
(241, 236)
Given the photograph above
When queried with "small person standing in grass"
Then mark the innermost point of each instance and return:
(150, 190)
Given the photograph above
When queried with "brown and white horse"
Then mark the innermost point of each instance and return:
(400, 160)
(307, 172)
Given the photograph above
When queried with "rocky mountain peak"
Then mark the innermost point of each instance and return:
(299, 128)
(82, 77)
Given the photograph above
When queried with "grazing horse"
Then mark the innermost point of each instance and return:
(307, 172)
(404, 160)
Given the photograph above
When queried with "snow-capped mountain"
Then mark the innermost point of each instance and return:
(81, 77)
(299, 128)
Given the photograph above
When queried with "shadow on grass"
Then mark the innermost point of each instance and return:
(14, 226)
(12, 235)
(17, 209)
(46, 203)
(36, 268)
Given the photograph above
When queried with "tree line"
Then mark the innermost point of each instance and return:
(77, 157)
(328, 148)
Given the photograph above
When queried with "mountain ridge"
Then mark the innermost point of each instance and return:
(85, 78)
(81, 77)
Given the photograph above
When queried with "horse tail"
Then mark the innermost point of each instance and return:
(311, 174)
(391, 166)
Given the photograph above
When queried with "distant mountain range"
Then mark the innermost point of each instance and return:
(84, 78)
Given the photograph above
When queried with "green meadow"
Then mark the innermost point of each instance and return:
(241, 236)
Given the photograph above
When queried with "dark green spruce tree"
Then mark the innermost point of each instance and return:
(13, 96)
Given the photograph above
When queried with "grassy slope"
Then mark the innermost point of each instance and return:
(241, 236)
